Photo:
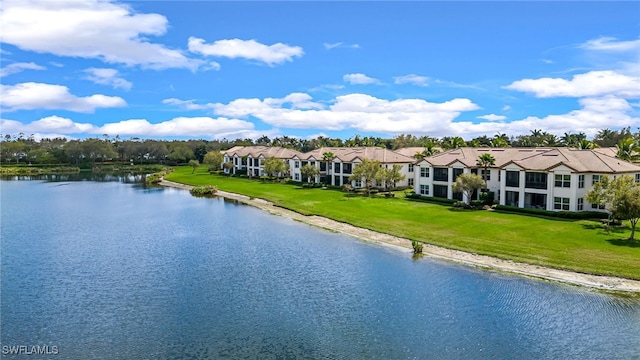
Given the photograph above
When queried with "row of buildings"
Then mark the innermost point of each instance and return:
(545, 178)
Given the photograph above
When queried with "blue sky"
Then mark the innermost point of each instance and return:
(204, 69)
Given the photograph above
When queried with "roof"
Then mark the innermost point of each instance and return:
(579, 160)
(543, 159)
(266, 151)
(349, 154)
(411, 151)
(469, 156)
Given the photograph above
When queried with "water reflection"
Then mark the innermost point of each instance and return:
(104, 270)
(127, 178)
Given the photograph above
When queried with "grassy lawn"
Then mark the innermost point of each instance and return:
(578, 245)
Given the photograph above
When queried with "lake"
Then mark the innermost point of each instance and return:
(111, 269)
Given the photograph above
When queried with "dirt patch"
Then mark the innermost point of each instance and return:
(595, 281)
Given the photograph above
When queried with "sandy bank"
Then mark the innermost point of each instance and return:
(594, 281)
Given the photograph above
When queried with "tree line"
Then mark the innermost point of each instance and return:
(25, 149)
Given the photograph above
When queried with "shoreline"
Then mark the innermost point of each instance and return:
(608, 283)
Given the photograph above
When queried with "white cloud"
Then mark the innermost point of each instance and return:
(354, 111)
(359, 79)
(185, 104)
(108, 77)
(412, 79)
(330, 46)
(111, 32)
(180, 126)
(50, 124)
(18, 67)
(493, 117)
(593, 83)
(506, 108)
(248, 49)
(457, 85)
(611, 44)
(30, 95)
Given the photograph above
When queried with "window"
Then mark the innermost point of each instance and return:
(597, 206)
(424, 172)
(410, 182)
(336, 167)
(487, 174)
(345, 180)
(580, 204)
(513, 178)
(560, 203)
(296, 164)
(580, 181)
(358, 183)
(410, 167)
(535, 180)
(456, 173)
(563, 180)
(424, 189)
(441, 174)
(346, 168)
(440, 191)
(296, 177)
(638, 178)
(513, 198)
(595, 179)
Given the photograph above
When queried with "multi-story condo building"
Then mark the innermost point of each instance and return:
(337, 163)
(250, 159)
(545, 178)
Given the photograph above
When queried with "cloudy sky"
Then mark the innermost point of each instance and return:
(204, 69)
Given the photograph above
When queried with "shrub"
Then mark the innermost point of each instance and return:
(347, 187)
(207, 190)
(487, 197)
(417, 247)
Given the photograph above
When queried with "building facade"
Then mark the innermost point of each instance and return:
(556, 179)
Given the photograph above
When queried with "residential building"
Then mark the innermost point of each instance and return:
(545, 178)
(249, 160)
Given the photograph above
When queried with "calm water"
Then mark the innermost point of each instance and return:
(113, 270)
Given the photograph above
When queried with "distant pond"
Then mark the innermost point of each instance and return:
(113, 270)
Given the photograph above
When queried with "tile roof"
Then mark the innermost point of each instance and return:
(543, 159)
(266, 151)
(349, 154)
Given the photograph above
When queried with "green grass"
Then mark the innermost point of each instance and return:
(577, 245)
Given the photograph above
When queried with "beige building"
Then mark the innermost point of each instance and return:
(544, 178)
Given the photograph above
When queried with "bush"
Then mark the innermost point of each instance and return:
(487, 197)
(347, 187)
(556, 214)
(418, 197)
(417, 247)
(207, 190)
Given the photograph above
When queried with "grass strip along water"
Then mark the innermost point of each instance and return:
(582, 246)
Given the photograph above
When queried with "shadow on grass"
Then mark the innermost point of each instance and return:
(624, 242)
(597, 226)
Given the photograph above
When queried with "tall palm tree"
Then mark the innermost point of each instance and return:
(485, 160)
(327, 157)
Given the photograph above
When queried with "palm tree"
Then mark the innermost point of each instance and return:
(627, 149)
(328, 157)
(585, 144)
(485, 160)
(452, 142)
